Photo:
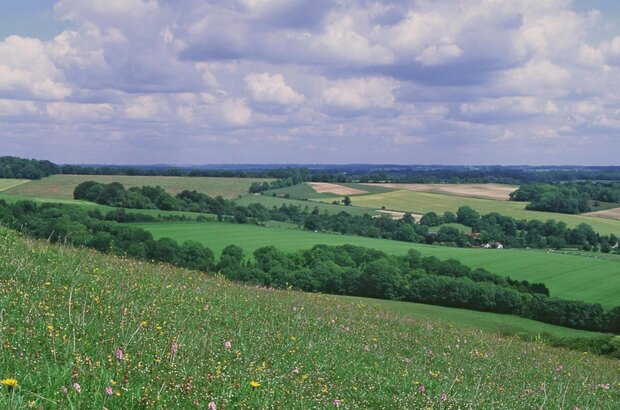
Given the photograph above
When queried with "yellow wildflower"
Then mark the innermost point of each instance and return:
(254, 384)
(10, 382)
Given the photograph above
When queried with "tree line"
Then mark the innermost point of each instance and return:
(568, 198)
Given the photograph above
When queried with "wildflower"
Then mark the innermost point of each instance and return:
(77, 387)
(108, 391)
(174, 347)
(337, 403)
(421, 388)
(119, 354)
(64, 390)
(227, 344)
(296, 370)
(212, 406)
(254, 384)
(444, 396)
(604, 386)
(559, 368)
(10, 383)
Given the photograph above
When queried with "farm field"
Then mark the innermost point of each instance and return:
(613, 213)
(336, 189)
(422, 202)
(271, 201)
(161, 337)
(7, 183)
(567, 276)
(62, 186)
(499, 192)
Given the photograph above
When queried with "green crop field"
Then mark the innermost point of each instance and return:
(422, 202)
(7, 183)
(83, 330)
(271, 201)
(567, 276)
(62, 186)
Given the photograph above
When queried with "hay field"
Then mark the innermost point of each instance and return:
(613, 213)
(499, 192)
(327, 188)
(422, 202)
(8, 183)
(62, 186)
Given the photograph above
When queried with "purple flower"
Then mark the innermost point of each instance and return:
(337, 403)
(108, 391)
(119, 353)
(421, 388)
(444, 396)
(174, 347)
(212, 406)
(77, 387)
(227, 344)
(64, 390)
(559, 368)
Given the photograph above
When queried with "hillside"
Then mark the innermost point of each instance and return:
(82, 329)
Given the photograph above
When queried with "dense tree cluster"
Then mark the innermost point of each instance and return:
(294, 177)
(359, 271)
(19, 168)
(567, 198)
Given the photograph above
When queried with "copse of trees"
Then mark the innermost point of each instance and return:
(568, 198)
(20, 168)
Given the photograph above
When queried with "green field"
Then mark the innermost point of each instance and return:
(506, 325)
(7, 183)
(567, 276)
(62, 186)
(422, 202)
(271, 201)
(75, 323)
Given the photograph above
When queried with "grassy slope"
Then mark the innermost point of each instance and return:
(423, 202)
(567, 276)
(66, 312)
(103, 208)
(62, 186)
(271, 201)
(8, 183)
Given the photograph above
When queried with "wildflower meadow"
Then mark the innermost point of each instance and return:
(83, 330)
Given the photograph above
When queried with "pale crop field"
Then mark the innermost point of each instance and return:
(499, 192)
(62, 186)
(422, 202)
(8, 183)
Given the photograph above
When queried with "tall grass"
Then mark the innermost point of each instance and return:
(83, 330)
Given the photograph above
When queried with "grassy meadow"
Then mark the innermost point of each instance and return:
(84, 330)
(62, 186)
(567, 276)
(7, 183)
(422, 202)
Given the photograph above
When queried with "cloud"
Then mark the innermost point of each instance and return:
(361, 93)
(395, 81)
(264, 87)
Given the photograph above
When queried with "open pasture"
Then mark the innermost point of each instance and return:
(422, 202)
(94, 331)
(8, 183)
(567, 276)
(498, 192)
(62, 186)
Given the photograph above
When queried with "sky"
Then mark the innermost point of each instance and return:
(311, 81)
